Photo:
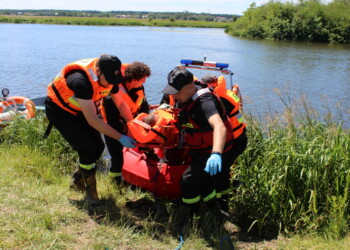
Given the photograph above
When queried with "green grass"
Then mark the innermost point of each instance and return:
(110, 21)
(38, 211)
(296, 183)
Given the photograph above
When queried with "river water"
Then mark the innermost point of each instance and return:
(32, 54)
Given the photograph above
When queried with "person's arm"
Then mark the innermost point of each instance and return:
(214, 162)
(121, 105)
(219, 134)
(89, 111)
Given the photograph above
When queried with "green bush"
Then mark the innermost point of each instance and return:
(307, 20)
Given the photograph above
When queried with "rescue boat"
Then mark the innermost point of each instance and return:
(160, 172)
(156, 175)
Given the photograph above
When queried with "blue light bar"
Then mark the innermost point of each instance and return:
(212, 64)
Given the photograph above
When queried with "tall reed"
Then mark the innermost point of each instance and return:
(295, 172)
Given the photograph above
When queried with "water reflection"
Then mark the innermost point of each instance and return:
(32, 54)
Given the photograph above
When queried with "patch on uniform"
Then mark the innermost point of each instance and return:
(105, 92)
(236, 98)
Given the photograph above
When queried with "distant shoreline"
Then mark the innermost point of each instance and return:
(110, 21)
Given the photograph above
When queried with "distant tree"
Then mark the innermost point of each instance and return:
(308, 20)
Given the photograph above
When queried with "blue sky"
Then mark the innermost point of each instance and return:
(209, 6)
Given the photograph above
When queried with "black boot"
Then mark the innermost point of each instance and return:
(223, 203)
(186, 215)
(215, 214)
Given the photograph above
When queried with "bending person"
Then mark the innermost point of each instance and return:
(133, 93)
(71, 107)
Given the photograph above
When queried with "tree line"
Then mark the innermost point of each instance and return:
(185, 15)
(307, 20)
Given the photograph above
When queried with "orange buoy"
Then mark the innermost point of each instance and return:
(18, 100)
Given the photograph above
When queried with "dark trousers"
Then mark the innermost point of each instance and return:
(115, 148)
(77, 132)
(196, 182)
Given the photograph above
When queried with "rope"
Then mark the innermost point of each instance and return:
(181, 242)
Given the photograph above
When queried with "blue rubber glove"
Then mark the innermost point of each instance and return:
(214, 163)
(127, 141)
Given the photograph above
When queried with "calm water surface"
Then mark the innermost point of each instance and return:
(32, 54)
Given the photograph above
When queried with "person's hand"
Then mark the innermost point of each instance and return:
(127, 141)
(214, 163)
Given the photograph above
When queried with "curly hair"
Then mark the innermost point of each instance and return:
(136, 71)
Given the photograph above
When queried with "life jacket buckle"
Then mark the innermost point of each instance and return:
(182, 134)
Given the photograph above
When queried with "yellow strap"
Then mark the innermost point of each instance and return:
(111, 174)
(191, 201)
(227, 191)
(87, 167)
(210, 196)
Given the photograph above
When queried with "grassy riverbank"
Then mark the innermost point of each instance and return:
(296, 182)
(110, 21)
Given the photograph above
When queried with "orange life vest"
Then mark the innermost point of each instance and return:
(197, 137)
(163, 132)
(171, 100)
(64, 97)
(123, 68)
(234, 115)
(134, 106)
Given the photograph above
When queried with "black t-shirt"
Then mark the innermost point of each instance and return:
(78, 81)
(206, 106)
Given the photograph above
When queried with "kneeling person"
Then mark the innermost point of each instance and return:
(209, 134)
